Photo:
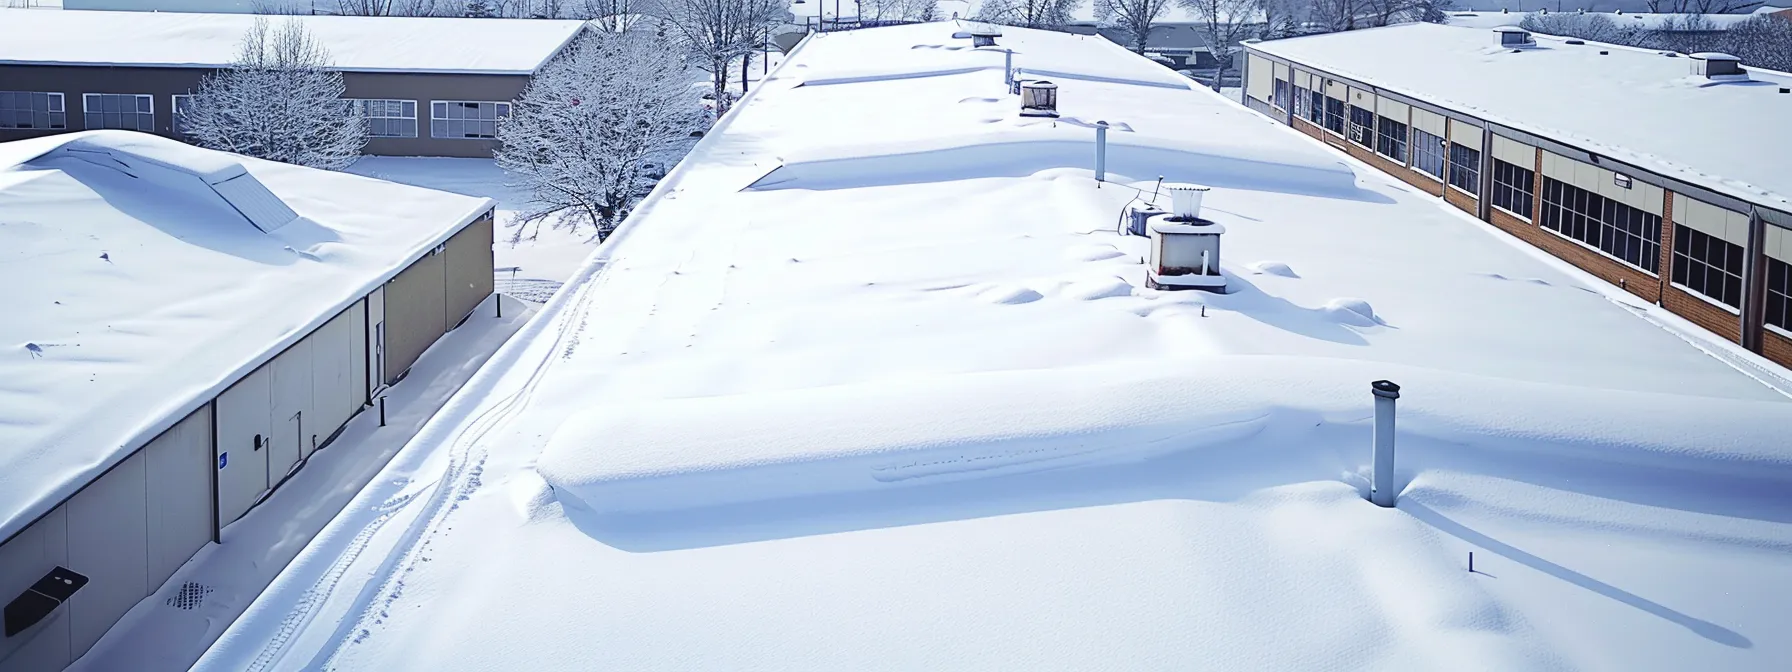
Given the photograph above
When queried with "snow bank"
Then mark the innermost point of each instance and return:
(709, 451)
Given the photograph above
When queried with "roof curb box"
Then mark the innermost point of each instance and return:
(160, 163)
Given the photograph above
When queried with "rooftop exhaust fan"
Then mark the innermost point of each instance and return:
(1038, 99)
(1185, 249)
(984, 36)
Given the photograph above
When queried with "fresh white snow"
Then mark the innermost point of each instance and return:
(871, 382)
(1634, 105)
(355, 43)
(172, 627)
(138, 293)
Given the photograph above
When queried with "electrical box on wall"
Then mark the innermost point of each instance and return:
(41, 599)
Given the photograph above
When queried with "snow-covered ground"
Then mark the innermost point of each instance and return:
(173, 626)
(872, 383)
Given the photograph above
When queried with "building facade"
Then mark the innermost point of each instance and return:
(416, 104)
(1722, 262)
(129, 528)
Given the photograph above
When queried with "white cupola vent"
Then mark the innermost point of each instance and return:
(1185, 249)
(1513, 37)
(1715, 65)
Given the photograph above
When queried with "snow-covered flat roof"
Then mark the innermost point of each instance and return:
(1634, 105)
(136, 292)
(356, 43)
(1644, 20)
(872, 383)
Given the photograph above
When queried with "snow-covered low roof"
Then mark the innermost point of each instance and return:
(1634, 105)
(1643, 20)
(143, 275)
(355, 43)
(871, 382)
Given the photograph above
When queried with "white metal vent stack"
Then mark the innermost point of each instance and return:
(1185, 249)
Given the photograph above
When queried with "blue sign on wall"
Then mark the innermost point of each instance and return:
(223, 459)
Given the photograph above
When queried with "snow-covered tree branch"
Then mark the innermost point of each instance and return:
(1224, 23)
(595, 129)
(1028, 13)
(1133, 17)
(715, 32)
(279, 100)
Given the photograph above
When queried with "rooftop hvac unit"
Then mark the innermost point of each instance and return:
(984, 36)
(1513, 37)
(1185, 249)
(1713, 65)
(1038, 99)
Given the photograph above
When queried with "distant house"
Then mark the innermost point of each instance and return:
(201, 324)
(1179, 45)
(428, 86)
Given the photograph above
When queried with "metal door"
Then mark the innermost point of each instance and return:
(291, 388)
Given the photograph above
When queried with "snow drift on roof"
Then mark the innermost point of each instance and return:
(356, 43)
(1633, 105)
(141, 287)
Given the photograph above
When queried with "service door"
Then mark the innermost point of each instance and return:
(291, 383)
(243, 412)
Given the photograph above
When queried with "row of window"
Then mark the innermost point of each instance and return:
(1702, 263)
(449, 119)
(1614, 228)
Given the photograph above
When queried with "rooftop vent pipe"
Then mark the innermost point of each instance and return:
(1185, 249)
(984, 36)
(1713, 65)
(1038, 99)
(1513, 37)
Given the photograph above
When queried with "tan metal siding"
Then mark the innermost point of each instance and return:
(1429, 122)
(415, 312)
(1728, 225)
(179, 472)
(1779, 244)
(108, 541)
(1259, 77)
(469, 272)
(1465, 134)
(243, 416)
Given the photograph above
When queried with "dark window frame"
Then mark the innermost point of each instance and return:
(1627, 234)
(1513, 188)
(1429, 150)
(1778, 311)
(1390, 142)
(1465, 169)
(1362, 127)
(33, 111)
(1708, 266)
(1334, 115)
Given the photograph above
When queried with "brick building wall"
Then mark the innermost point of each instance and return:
(1776, 347)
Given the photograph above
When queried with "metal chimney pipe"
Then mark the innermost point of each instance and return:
(1101, 151)
(1382, 492)
(1008, 67)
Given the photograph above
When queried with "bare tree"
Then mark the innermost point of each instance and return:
(279, 100)
(618, 16)
(1701, 6)
(1281, 18)
(1763, 41)
(596, 129)
(1049, 14)
(365, 7)
(1134, 18)
(1224, 23)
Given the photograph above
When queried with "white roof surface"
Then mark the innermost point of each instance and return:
(872, 383)
(1633, 105)
(134, 300)
(356, 43)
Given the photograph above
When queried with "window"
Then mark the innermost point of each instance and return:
(1614, 228)
(1779, 294)
(1428, 153)
(129, 111)
(1512, 188)
(1302, 100)
(1362, 126)
(181, 103)
(1708, 265)
(465, 120)
(1390, 139)
(391, 118)
(1465, 168)
(1334, 115)
(1279, 95)
(1316, 108)
(32, 110)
